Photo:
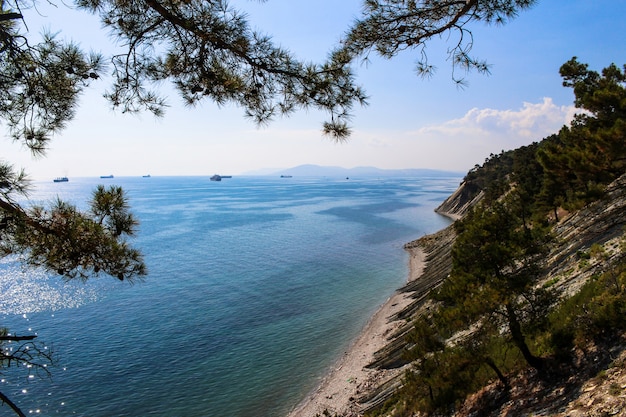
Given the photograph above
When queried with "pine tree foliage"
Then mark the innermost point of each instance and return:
(209, 51)
(40, 84)
(591, 152)
(388, 27)
(66, 241)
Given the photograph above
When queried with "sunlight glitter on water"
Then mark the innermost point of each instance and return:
(31, 291)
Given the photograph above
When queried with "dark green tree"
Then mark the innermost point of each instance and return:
(590, 153)
(601, 95)
(68, 242)
(447, 367)
(488, 306)
(495, 266)
(526, 179)
(553, 192)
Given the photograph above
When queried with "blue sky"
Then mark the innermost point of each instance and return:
(410, 123)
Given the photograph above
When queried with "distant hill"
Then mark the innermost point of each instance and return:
(333, 171)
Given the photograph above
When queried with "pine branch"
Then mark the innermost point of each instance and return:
(10, 338)
(11, 405)
(10, 16)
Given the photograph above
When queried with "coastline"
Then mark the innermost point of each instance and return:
(349, 379)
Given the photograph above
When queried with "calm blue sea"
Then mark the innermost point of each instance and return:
(256, 285)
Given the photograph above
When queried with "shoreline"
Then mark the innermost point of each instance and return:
(349, 379)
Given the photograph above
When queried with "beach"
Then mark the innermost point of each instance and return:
(349, 378)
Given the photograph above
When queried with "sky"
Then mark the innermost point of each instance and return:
(410, 122)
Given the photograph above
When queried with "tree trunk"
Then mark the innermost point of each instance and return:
(520, 341)
(556, 214)
(499, 373)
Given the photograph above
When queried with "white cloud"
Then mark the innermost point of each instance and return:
(533, 122)
(459, 144)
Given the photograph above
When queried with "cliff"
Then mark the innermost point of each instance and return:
(600, 224)
(459, 202)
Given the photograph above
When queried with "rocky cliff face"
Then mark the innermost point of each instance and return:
(465, 197)
(438, 264)
(601, 224)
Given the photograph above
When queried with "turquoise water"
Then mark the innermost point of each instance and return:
(256, 285)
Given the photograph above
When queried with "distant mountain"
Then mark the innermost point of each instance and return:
(333, 171)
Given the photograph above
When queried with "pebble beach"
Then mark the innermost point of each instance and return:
(349, 378)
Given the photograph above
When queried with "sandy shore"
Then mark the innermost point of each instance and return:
(349, 379)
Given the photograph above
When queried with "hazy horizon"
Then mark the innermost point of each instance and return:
(300, 170)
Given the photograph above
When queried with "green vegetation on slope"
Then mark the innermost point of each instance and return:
(493, 317)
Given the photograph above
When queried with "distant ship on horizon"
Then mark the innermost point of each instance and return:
(106, 176)
(218, 177)
(61, 179)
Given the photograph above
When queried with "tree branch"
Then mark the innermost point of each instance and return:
(10, 16)
(11, 405)
(17, 338)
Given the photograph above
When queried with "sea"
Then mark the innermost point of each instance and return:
(256, 286)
